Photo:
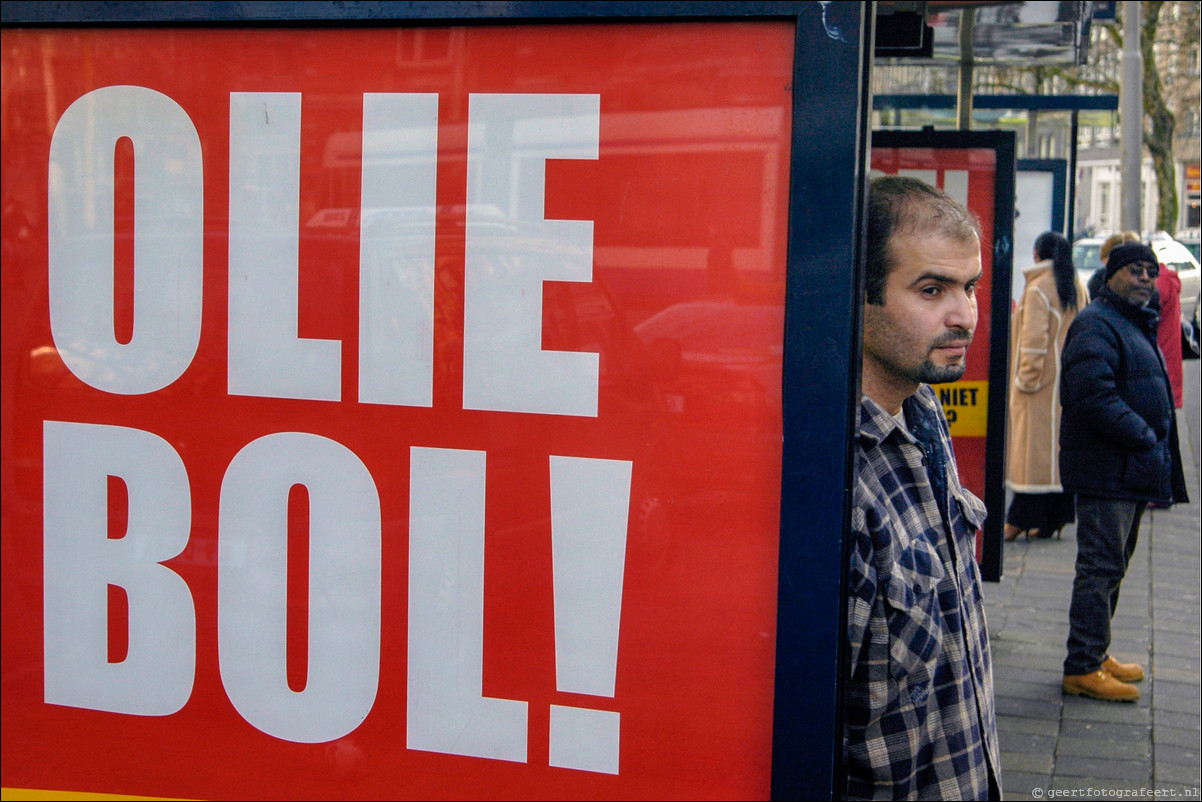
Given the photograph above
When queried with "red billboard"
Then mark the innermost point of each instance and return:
(393, 412)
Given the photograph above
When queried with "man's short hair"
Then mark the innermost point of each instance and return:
(1113, 240)
(900, 205)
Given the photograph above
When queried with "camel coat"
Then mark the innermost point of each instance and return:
(1037, 332)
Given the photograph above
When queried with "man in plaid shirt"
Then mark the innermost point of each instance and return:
(919, 717)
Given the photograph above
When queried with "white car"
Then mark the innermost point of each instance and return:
(1086, 258)
(1190, 238)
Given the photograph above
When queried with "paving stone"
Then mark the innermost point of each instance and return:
(1177, 704)
(1169, 753)
(1184, 631)
(1049, 692)
(1175, 736)
(1185, 775)
(1103, 732)
(1175, 690)
(1135, 720)
(1174, 718)
(1048, 668)
(1137, 749)
(1176, 670)
(1029, 708)
(1020, 784)
(1026, 743)
(1089, 788)
(1031, 726)
(1181, 648)
(1027, 762)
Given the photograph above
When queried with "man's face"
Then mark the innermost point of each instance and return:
(922, 332)
(1134, 282)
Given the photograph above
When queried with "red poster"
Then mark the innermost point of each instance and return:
(393, 412)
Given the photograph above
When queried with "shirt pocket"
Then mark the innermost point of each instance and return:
(972, 509)
(915, 618)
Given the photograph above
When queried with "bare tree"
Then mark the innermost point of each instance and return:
(1169, 43)
(1159, 136)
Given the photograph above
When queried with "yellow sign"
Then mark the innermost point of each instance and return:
(965, 403)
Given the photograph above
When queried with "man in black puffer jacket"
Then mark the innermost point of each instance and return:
(1118, 452)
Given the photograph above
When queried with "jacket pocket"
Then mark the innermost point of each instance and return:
(1147, 473)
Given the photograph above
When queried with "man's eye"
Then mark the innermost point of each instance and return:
(932, 291)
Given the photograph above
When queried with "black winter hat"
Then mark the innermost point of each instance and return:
(1126, 253)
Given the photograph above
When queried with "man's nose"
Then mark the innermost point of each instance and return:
(963, 314)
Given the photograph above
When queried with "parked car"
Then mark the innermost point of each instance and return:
(1086, 256)
(1176, 257)
(1189, 237)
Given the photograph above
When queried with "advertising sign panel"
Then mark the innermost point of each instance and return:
(977, 169)
(398, 411)
(1040, 204)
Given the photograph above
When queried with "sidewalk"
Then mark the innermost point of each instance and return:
(1056, 743)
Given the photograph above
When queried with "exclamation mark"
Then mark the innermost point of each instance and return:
(590, 506)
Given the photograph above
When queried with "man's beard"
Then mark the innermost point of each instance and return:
(931, 373)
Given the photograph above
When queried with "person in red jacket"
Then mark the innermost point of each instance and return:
(1168, 287)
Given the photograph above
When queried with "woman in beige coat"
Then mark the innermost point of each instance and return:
(1050, 300)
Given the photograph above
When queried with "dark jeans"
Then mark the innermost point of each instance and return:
(1107, 530)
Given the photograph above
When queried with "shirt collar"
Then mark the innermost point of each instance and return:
(876, 424)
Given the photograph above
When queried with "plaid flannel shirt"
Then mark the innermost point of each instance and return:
(919, 718)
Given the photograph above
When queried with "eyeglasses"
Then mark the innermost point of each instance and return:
(1139, 268)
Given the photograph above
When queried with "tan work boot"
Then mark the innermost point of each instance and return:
(1123, 672)
(1100, 685)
